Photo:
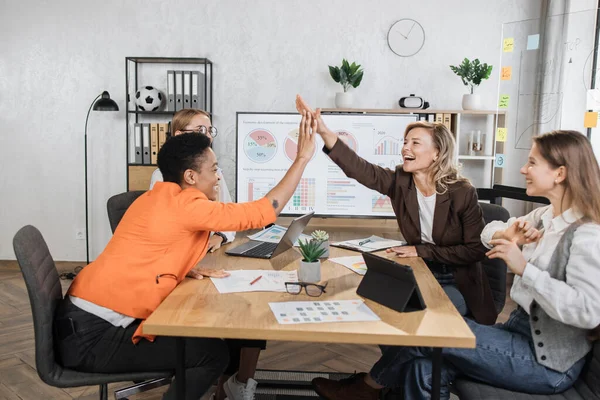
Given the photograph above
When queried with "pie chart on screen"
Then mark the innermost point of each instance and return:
(290, 145)
(260, 146)
(349, 139)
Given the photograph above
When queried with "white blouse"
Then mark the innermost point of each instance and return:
(575, 301)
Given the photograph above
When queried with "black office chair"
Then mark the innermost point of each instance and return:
(44, 289)
(118, 204)
(587, 387)
(495, 269)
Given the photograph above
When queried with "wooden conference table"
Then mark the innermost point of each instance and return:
(196, 309)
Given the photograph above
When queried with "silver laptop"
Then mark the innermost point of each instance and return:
(258, 249)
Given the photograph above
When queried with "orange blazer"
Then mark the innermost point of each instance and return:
(161, 237)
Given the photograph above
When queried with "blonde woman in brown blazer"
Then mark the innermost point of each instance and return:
(437, 212)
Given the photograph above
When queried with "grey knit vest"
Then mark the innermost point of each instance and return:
(558, 346)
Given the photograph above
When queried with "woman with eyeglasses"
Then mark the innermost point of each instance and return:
(194, 120)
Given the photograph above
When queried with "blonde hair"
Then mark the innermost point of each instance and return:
(573, 150)
(444, 170)
(182, 118)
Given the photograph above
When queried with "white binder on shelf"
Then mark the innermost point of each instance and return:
(170, 90)
(131, 146)
(145, 143)
(195, 83)
(137, 129)
(178, 90)
(187, 86)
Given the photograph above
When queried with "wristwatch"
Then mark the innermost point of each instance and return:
(222, 236)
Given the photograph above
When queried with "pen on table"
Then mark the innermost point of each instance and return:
(364, 242)
(256, 280)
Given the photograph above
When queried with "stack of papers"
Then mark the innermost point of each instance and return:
(239, 281)
(274, 233)
(369, 244)
(318, 312)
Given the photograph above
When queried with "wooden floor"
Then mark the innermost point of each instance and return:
(19, 380)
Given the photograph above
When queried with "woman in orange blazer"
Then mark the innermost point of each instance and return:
(161, 238)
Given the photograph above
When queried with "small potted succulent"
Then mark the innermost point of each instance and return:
(472, 73)
(348, 75)
(322, 237)
(310, 265)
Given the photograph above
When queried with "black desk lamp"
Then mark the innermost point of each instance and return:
(102, 102)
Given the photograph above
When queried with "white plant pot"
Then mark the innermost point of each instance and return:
(309, 272)
(325, 245)
(471, 102)
(343, 100)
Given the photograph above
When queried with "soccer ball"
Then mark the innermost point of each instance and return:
(148, 98)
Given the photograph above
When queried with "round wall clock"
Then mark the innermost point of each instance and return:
(406, 37)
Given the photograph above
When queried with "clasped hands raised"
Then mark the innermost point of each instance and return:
(507, 244)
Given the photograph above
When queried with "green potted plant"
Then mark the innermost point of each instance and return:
(348, 75)
(322, 237)
(310, 265)
(472, 73)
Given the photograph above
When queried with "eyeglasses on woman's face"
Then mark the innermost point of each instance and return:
(202, 129)
(311, 289)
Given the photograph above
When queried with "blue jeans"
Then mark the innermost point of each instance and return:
(504, 357)
(446, 280)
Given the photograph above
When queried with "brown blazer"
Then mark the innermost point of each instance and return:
(457, 225)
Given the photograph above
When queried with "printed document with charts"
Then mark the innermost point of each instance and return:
(240, 281)
(318, 312)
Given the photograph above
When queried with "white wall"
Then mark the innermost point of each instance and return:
(56, 56)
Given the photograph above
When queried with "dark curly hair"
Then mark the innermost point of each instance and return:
(180, 153)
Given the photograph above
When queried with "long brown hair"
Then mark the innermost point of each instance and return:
(444, 170)
(182, 118)
(573, 150)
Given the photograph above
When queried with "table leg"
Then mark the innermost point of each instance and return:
(436, 377)
(180, 368)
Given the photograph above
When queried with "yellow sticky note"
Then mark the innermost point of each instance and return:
(509, 44)
(503, 103)
(501, 135)
(506, 73)
(590, 120)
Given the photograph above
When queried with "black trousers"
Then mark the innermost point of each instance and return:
(88, 343)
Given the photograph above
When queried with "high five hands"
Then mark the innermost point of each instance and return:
(329, 138)
(507, 244)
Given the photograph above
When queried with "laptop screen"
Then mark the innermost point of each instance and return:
(292, 234)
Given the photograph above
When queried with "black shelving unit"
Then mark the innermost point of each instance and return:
(133, 66)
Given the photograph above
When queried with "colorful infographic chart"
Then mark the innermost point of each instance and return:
(260, 146)
(381, 204)
(388, 146)
(290, 145)
(349, 139)
(267, 144)
(258, 187)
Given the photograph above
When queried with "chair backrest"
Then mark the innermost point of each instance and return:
(43, 286)
(495, 269)
(591, 373)
(118, 204)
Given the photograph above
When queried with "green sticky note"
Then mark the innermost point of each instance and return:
(503, 103)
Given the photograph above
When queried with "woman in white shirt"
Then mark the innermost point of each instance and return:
(554, 253)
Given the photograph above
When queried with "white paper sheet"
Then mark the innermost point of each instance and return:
(353, 263)
(318, 312)
(273, 234)
(239, 281)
